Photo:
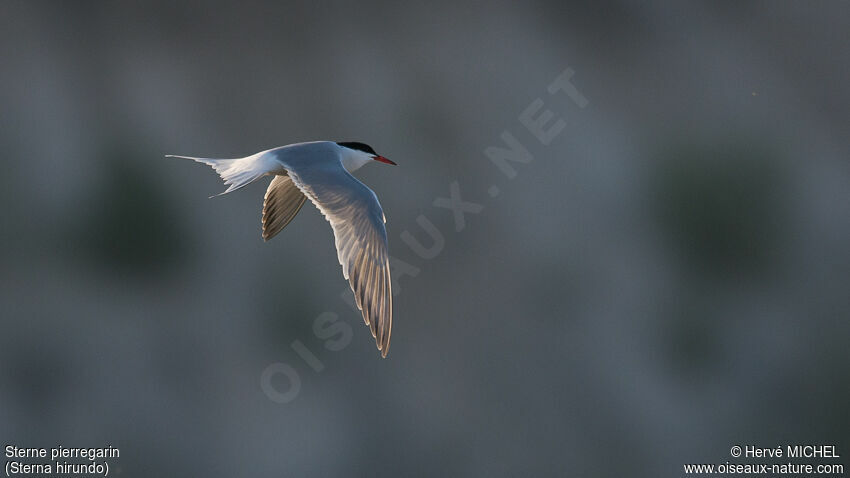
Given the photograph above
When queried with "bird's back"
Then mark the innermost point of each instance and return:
(311, 154)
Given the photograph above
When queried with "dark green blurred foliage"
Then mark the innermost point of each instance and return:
(720, 204)
(691, 336)
(286, 306)
(10, 215)
(128, 225)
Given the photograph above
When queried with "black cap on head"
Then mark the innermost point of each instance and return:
(358, 146)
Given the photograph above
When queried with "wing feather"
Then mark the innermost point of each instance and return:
(357, 220)
(282, 202)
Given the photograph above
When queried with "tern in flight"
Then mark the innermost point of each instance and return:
(320, 171)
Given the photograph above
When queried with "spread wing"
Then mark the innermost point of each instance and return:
(357, 220)
(282, 202)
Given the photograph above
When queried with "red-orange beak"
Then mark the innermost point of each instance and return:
(384, 160)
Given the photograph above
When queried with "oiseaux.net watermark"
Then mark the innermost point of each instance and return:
(791, 460)
(281, 382)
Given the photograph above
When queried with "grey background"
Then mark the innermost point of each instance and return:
(667, 279)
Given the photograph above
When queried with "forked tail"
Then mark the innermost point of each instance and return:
(236, 173)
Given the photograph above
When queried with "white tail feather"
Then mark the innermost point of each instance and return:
(236, 173)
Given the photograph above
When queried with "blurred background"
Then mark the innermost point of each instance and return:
(668, 278)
